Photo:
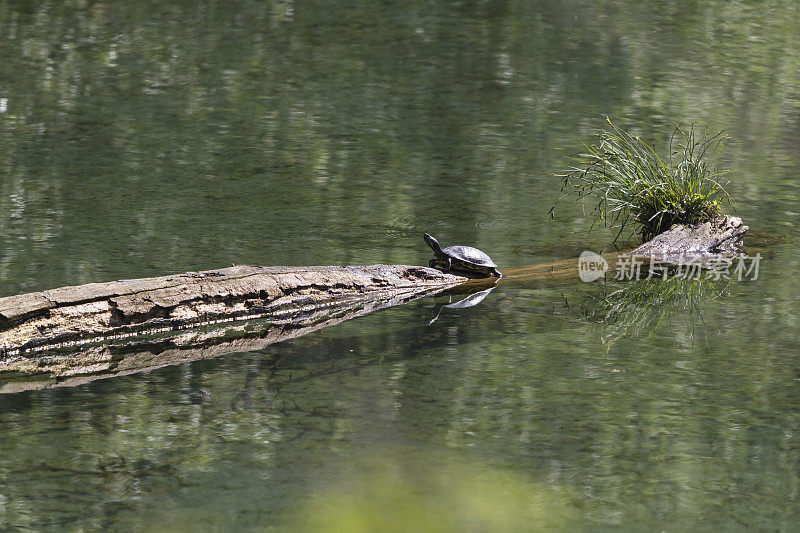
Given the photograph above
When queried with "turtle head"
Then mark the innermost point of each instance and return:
(433, 243)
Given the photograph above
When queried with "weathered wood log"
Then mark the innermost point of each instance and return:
(698, 243)
(76, 365)
(73, 314)
(72, 335)
(97, 310)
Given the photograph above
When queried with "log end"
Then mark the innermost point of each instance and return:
(720, 237)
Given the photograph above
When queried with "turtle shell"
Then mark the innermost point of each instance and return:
(471, 255)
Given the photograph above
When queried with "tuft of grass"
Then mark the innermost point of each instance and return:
(633, 184)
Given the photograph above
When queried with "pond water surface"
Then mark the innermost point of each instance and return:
(145, 138)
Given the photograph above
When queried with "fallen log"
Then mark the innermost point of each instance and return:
(69, 366)
(702, 243)
(36, 321)
(71, 315)
(72, 335)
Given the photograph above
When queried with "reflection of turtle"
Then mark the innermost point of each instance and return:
(473, 299)
(461, 258)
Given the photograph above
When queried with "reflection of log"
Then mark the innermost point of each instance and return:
(31, 322)
(69, 367)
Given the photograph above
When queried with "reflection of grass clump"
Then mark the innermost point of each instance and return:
(634, 184)
(639, 308)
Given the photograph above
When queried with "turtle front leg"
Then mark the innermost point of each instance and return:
(448, 265)
(432, 263)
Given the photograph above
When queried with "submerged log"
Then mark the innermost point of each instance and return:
(72, 335)
(36, 321)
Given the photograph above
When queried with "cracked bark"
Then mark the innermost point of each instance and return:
(35, 321)
(698, 243)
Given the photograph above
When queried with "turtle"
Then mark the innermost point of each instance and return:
(461, 258)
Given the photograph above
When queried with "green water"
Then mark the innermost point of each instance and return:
(147, 138)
